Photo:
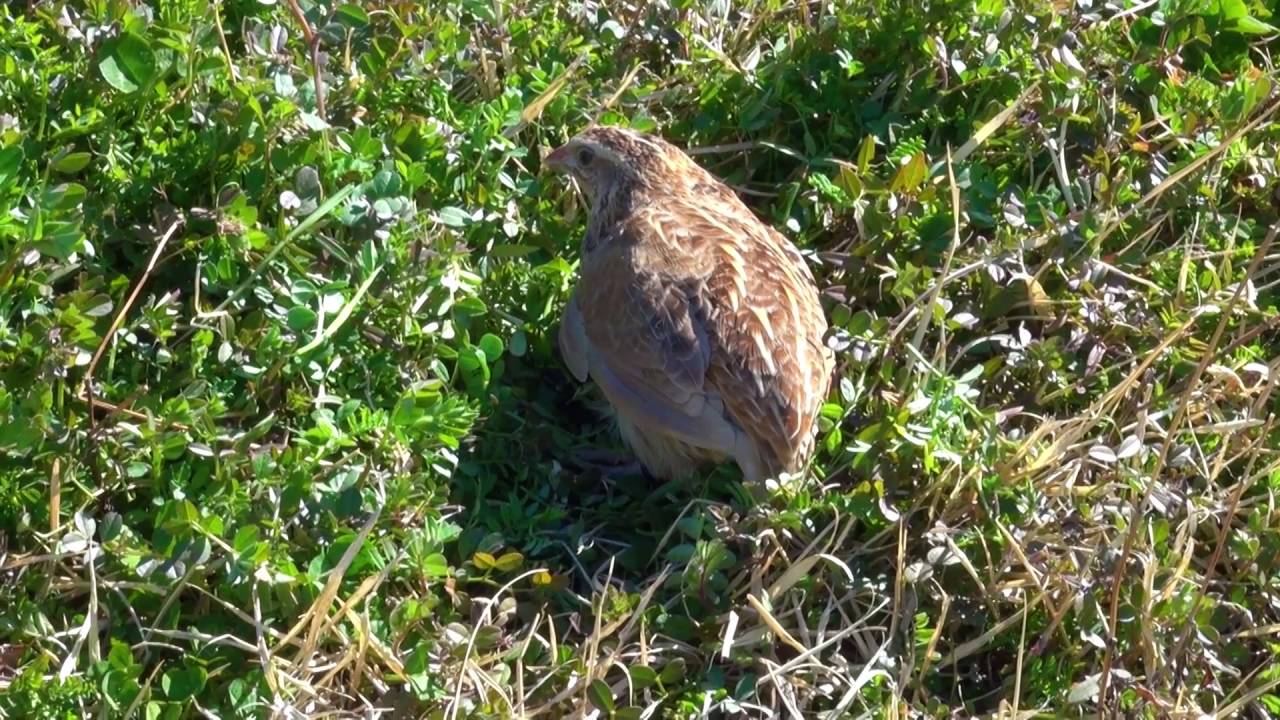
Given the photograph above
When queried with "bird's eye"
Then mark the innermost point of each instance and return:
(585, 156)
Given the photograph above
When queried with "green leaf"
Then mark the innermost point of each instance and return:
(120, 657)
(61, 240)
(642, 676)
(680, 553)
(691, 526)
(600, 695)
(301, 318)
(435, 565)
(491, 345)
(385, 184)
(859, 323)
(72, 162)
(1250, 25)
(245, 540)
(483, 561)
(115, 76)
(368, 257)
(119, 688)
(63, 197)
(352, 14)
(454, 217)
(1237, 16)
(10, 164)
(910, 176)
(127, 63)
(519, 344)
(474, 367)
(866, 154)
(849, 181)
(488, 637)
(833, 440)
(184, 683)
(111, 526)
(673, 672)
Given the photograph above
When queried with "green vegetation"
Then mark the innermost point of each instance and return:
(283, 426)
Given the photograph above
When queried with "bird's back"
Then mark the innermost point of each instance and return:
(700, 323)
(749, 292)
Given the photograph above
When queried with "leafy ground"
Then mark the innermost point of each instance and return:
(283, 429)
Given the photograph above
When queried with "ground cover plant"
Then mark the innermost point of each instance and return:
(284, 432)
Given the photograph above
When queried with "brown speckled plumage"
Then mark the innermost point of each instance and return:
(700, 323)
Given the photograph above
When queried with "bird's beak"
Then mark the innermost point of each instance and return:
(558, 159)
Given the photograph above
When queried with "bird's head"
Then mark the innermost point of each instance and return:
(603, 159)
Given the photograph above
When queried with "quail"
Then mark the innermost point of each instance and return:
(701, 324)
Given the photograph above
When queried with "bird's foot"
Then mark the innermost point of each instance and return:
(628, 471)
(612, 464)
(598, 457)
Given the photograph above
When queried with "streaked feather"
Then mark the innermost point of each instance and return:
(701, 324)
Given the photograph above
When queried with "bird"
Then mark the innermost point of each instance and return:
(700, 323)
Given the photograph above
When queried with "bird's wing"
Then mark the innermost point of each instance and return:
(771, 367)
(573, 339)
(773, 374)
(648, 348)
